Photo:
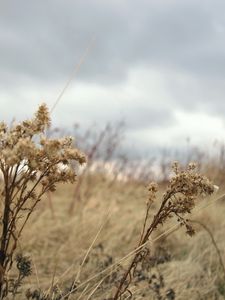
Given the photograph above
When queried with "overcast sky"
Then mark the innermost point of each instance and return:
(159, 65)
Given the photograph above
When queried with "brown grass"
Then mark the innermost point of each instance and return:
(112, 246)
(58, 245)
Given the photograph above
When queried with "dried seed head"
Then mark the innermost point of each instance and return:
(31, 163)
(183, 190)
(152, 190)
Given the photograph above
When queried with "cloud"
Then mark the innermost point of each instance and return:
(150, 59)
(44, 39)
(140, 102)
(201, 129)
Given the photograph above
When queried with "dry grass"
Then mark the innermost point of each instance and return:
(58, 245)
(102, 242)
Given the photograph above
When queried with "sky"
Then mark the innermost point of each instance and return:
(157, 65)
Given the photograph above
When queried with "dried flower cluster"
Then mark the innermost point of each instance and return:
(181, 195)
(179, 199)
(31, 164)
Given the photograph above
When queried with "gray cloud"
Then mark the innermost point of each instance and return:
(148, 117)
(136, 115)
(183, 41)
(44, 39)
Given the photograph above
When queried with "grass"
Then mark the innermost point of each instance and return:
(58, 244)
(103, 242)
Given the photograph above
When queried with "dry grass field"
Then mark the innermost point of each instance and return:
(101, 237)
(105, 228)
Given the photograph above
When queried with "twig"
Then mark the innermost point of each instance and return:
(75, 71)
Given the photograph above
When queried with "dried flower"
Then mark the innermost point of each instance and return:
(152, 190)
(179, 199)
(31, 164)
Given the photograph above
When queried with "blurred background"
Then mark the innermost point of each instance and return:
(158, 67)
(150, 91)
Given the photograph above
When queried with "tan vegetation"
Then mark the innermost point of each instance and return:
(105, 241)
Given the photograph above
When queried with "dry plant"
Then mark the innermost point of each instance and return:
(99, 145)
(178, 200)
(31, 165)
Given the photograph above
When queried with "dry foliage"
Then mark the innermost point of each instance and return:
(178, 200)
(31, 165)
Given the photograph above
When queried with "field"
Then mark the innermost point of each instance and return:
(110, 222)
(106, 236)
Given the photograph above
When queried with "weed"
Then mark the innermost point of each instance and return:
(31, 165)
(178, 200)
